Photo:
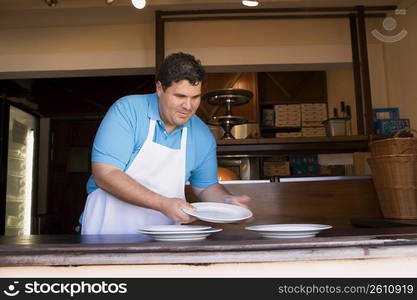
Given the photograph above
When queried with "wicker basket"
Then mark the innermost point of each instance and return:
(395, 145)
(395, 180)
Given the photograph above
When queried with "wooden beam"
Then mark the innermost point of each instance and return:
(356, 74)
(265, 17)
(364, 66)
(159, 39)
(277, 10)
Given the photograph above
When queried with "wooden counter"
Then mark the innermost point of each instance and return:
(323, 202)
(236, 250)
(223, 247)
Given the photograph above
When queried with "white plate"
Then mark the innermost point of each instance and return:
(185, 239)
(176, 228)
(182, 233)
(181, 236)
(219, 212)
(288, 230)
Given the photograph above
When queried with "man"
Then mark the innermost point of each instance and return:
(146, 148)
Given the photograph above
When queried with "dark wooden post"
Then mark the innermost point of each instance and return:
(159, 39)
(364, 67)
(357, 74)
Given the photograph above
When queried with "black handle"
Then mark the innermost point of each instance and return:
(342, 108)
(335, 114)
(348, 112)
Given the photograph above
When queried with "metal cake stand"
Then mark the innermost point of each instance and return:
(228, 98)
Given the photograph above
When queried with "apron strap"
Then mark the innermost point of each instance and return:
(183, 138)
(151, 131)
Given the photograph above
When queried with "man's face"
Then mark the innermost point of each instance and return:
(178, 103)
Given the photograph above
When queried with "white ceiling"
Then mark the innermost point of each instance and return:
(36, 13)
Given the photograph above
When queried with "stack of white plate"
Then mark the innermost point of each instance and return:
(282, 231)
(178, 233)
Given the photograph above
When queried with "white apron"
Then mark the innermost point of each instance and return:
(158, 168)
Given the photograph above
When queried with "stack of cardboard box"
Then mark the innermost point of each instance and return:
(288, 134)
(312, 116)
(287, 115)
(278, 165)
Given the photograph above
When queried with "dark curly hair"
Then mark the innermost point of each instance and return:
(180, 66)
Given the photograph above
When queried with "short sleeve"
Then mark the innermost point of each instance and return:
(115, 138)
(205, 174)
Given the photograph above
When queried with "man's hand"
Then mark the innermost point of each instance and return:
(172, 207)
(218, 193)
(241, 200)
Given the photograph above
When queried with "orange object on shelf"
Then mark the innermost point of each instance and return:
(226, 174)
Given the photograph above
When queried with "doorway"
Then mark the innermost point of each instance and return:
(69, 170)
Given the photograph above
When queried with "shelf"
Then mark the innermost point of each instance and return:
(291, 102)
(280, 129)
(328, 144)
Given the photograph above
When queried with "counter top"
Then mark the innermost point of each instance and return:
(240, 246)
(322, 144)
(325, 144)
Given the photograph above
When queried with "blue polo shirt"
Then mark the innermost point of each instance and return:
(124, 130)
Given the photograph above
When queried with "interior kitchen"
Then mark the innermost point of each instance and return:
(311, 105)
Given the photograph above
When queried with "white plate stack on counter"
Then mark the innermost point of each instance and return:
(288, 231)
(178, 233)
(206, 211)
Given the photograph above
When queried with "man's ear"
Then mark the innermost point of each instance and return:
(159, 89)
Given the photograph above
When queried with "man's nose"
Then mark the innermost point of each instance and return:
(187, 103)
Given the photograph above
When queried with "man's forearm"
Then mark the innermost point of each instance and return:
(214, 193)
(218, 193)
(123, 187)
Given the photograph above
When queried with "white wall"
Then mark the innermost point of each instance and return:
(377, 75)
(401, 66)
(216, 43)
(77, 48)
(262, 41)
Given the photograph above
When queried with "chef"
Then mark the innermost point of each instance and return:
(145, 150)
